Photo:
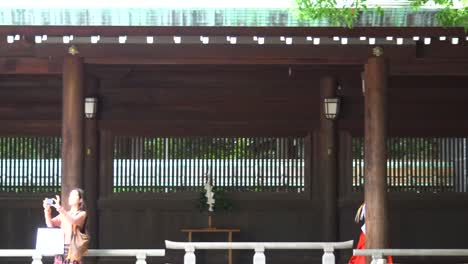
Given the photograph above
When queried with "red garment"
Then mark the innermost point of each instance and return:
(362, 259)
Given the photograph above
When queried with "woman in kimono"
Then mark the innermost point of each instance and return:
(360, 218)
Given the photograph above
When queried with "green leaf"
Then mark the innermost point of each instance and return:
(447, 16)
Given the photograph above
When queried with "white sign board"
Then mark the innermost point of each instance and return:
(50, 241)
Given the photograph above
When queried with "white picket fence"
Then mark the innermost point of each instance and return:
(139, 254)
(164, 172)
(259, 248)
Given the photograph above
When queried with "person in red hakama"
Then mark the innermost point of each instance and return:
(360, 216)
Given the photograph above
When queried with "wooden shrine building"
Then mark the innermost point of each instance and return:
(168, 107)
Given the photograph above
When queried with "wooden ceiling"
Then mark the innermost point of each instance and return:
(427, 82)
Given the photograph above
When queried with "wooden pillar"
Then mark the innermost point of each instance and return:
(91, 176)
(327, 162)
(375, 149)
(72, 124)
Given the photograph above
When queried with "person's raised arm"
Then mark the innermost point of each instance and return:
(50, 222)
(75, 219)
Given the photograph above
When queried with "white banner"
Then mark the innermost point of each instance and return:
(50, 241)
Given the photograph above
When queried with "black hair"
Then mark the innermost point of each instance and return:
(82, 206)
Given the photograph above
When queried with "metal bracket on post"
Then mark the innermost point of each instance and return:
(328, 255)
(189, 257)
(37, 258)
(259, 256)
(141, 258)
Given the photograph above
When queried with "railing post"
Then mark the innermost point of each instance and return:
(328, 255)
(378, 259)
(259, 256)
(189, 257)
(141, 258)
(37, 259)
(382, 261)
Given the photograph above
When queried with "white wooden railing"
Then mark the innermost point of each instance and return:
(139, 254)
(379, 255)
(259, 248)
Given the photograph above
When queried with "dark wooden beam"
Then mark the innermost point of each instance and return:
(208, 128)
(42, 66)
(47, 59)
(91, 177)
(375, 157)
(223, 61)
(30, 65)
(221, 53)
(328, 162)
(426, 67)
(30, 127)
(232, 31)
(91, 164)
(106, 157)
(72, 124)
(28, 111)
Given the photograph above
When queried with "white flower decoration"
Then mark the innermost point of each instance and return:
(210, 200)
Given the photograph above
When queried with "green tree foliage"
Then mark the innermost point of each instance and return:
(345, 15)
(30, 148)
(204, 148)
(198, 148)
(403, 148)
(448, 15)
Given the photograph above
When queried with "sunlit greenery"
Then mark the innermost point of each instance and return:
(30, 148)
(207, 148)
(448, 15)
(327, 9)
(399, 148)
(346, 13)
